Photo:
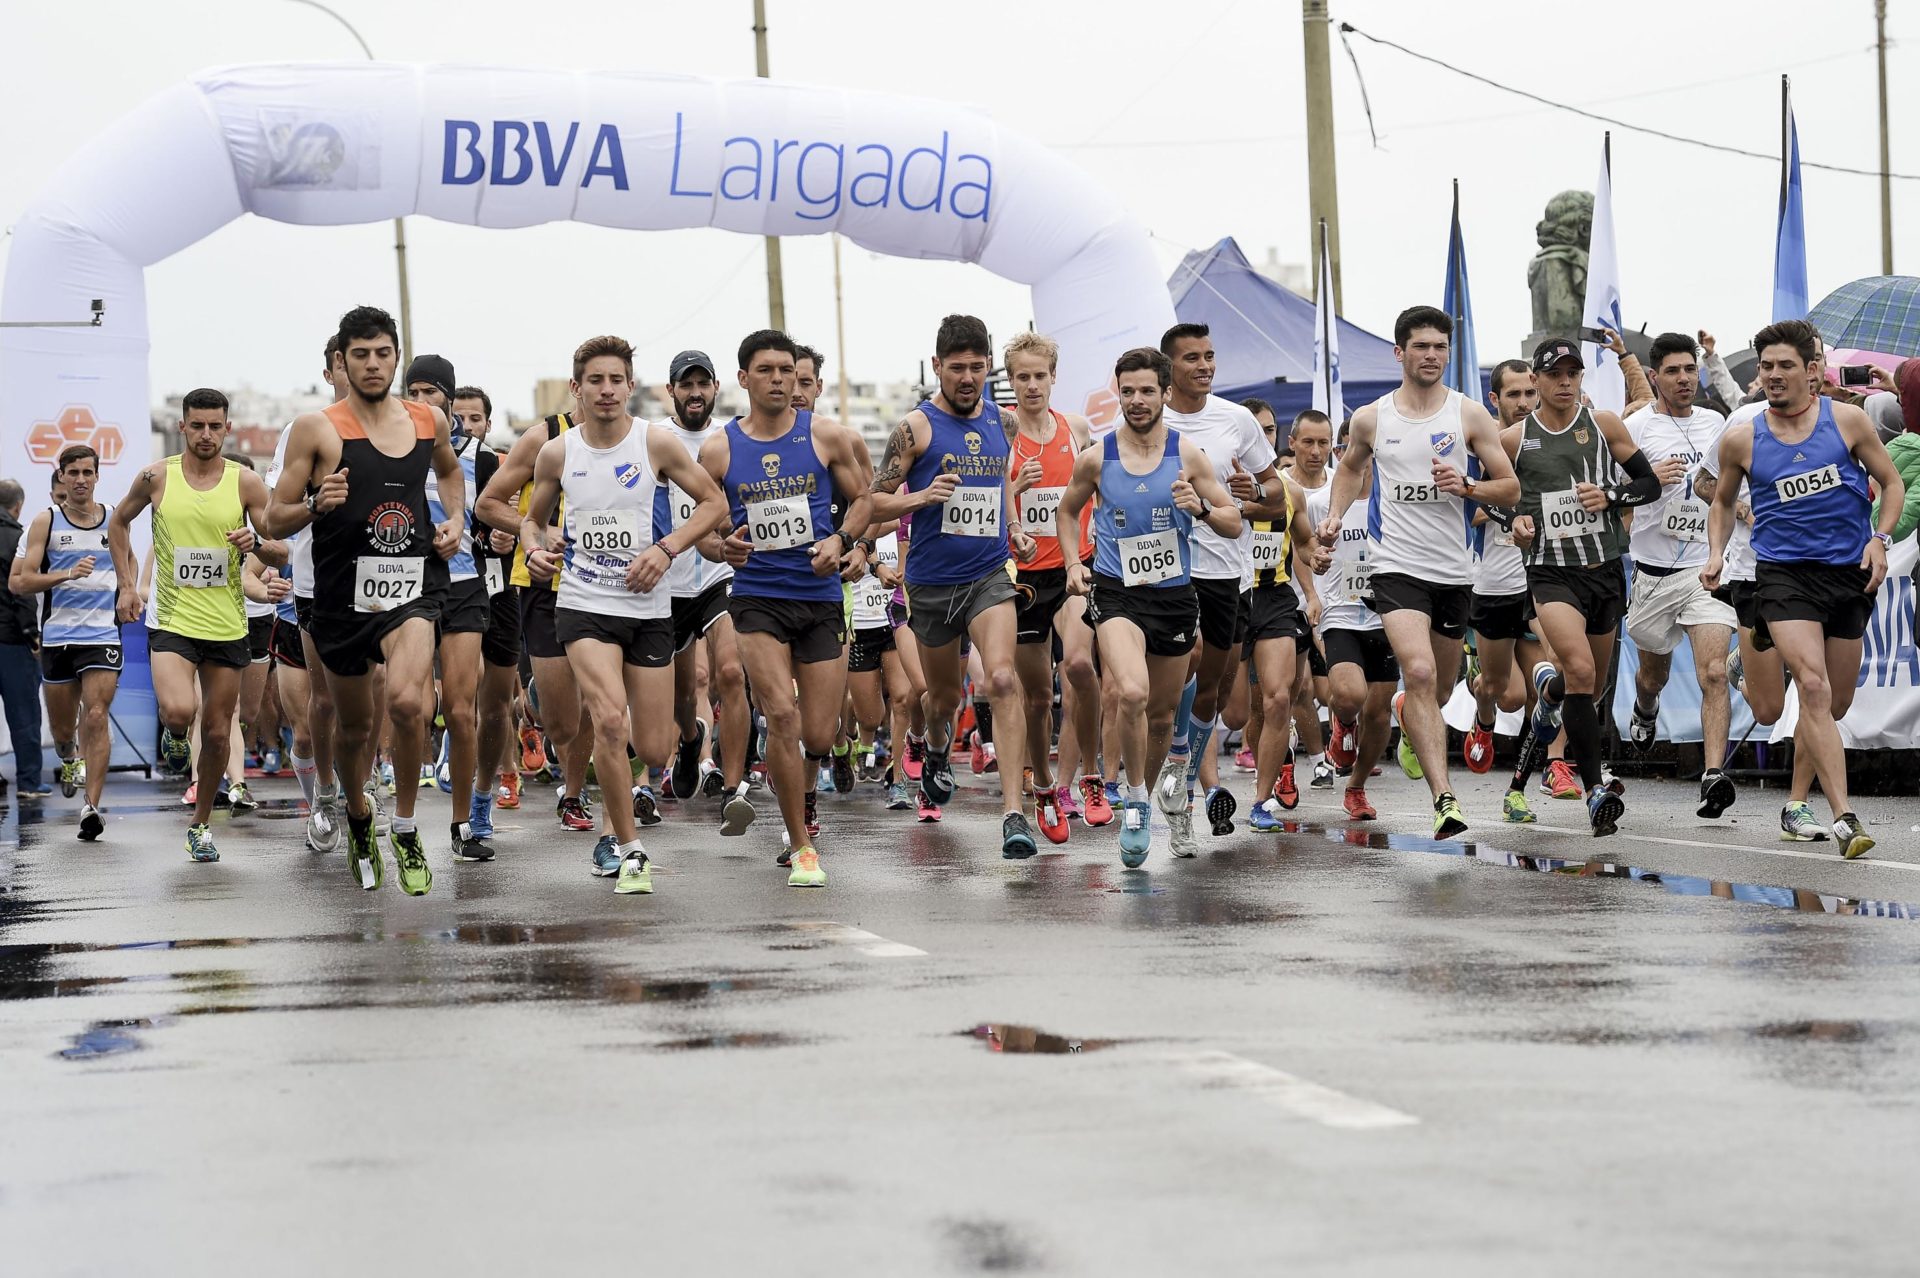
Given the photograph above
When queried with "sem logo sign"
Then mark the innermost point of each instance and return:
(75, 425)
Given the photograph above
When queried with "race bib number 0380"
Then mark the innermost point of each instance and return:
(780, 525)
(607, 532)
(1807, 483)
(381, 584)
(1150, 558)
(972, 512)
(199, 566)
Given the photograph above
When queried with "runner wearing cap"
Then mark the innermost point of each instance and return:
(1418, 443)
(1569, 523)
(1821, 556)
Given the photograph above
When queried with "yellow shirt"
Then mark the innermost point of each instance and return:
(196, 570)
(520, 576)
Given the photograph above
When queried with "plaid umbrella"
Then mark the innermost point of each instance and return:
(1878, 313)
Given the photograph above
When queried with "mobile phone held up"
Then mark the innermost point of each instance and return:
(1856, 375)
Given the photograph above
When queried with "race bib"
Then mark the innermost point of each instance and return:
(1685, 520)
(780, 525)
(1416, 494)
(1040, 511)
(607, 532)
(871, 597)
(1563, 518)
(381, 583)
(1356, 580)
(679, 504)
(1503, 537)
(199, 566)
(1266, 549)
(1807, 483)
(972, 512)
(495, 574)
(1150, 558)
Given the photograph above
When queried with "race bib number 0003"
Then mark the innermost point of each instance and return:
(1150, 558)
(1807, 483)
(1563, 517)
(780, 525)
(381, 584)
(972, 512)
(199, 566)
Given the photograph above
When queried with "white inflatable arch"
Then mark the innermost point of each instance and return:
(336, 143)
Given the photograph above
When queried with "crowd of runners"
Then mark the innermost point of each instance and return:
(1082, 615)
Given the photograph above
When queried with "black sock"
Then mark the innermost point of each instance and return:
(1557, 688)
(1482, 724)
(983, 720)
(1583, 736)
(1531, 748)
(1643, 711)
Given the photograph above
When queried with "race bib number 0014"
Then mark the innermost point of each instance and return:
(199, 566)
(972, 512)
(1807, 483)
(381, 584)
(1150, 558)
(780, 525)
(1563, 518)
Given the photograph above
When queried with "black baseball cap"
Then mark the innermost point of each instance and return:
(686, 361)
(1552, 351)
(435, 371)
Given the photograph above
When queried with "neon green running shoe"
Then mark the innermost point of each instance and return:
(73, 776)
(1514, 808)
(1448, 819)
(410, 858)
(1409, 761)
(200, 844)
(806, 870)
(636, 874)
(364, 862)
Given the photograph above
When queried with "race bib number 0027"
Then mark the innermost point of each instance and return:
(381, 584)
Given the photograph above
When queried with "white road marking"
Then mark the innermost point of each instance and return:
(858, 939)
(1298, 1096)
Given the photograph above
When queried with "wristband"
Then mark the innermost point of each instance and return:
(661, 546)
(847, 541)
(869, 545)
(1885, 539)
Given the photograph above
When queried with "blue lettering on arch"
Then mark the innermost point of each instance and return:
(882, 176)
(753, 192)
(679, 138)
(606, 143)
(553, 169)
(461, 136)
(518, 131)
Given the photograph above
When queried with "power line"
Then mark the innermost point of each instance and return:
(1347, 28)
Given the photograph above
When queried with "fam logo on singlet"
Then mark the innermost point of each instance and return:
(628, 474)
(76, 424)
(390, 527)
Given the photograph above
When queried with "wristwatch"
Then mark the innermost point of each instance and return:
(1885, 539)
(308, 499)
(847, 541)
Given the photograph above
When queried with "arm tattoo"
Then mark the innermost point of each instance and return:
(893, 466)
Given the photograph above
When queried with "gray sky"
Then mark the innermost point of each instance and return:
(1191, 114)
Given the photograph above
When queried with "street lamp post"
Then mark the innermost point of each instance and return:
(399, 223)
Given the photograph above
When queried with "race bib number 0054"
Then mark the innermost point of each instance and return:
(1807, 483)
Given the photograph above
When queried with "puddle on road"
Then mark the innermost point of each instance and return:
(106, 1038)
(707, 1042)
(1025, 1040)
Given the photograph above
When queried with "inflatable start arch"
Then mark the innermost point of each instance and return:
(335, 143)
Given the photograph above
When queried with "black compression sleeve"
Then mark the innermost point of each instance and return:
(1643, 488)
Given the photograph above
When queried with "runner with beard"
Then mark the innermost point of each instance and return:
(357, 473)
(699, 586)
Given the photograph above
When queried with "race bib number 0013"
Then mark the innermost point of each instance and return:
(381, 584)
(1807, 483)
(199, 566)
(972, 512)
(1040, 511)
(1150, 558)
(780, 525)
(1563, 518)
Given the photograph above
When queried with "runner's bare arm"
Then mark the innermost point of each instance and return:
(287, 511)
(146, 489)
(1082, 431)
(541, 562)
(1081, 486)
(25, 580)
(1497, 485)
(732, 543)
(1348, 476)
(852, 482)
(904, 446)
(1642, 484)
(1197, 469)
(1305, 540)
(452, 484)
(710, 509)
(1736, 446)
(253, 499)
(498, 505)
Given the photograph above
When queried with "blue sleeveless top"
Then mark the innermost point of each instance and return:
(1810, 500)
(780, 471)
(976, 451)
(79, 612)
(1135, 505)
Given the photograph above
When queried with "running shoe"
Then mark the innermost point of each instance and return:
(685, 776)
(1479, 750)
(1243, 761)
(1409, 761)
(1546, 714)
(364, 862)
(1514, 809)
(1736, 670)
(1323, 777)
(91, 825)
(410, 858)
(813, 816)
(1642, 729)
(872, 766)
(323, 821)
(823, 780)
(1136, 838)
(1180, 830)
(936, 776)
(646, 808)
(533, 750)
(508, 793)
(270, 762)
(1112, 790)
(1354, 800)
(925, 808)
(713, 782)
(386, 776)
(573, 813)
(1448, 819)
(1016, 839)
(913, 759)
(1265, 818)
(1069, 806)
(606, 856)
(175, 752)
(382, 819)
(240, 799)
(1850, 832)
(1604, 810)
(1340, 744)
(39, 791)
(1026, 783)
(1285, 790)
(1560, 780)
(1221, 805)
(480, 814)
(980, 758)
(843, 778)
(1170, 792)
(1097, 801)
(806, 869)
(73, 776)
(737, 815)
(200, 843)
(1049, 817)
(1798, 823)
(467, 845)
(1716, 794)
(636, 875)
(192, 794)
(897, 798)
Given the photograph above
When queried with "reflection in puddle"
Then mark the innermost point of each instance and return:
(705, 1042)
(106, 1038)
(1024, 1040)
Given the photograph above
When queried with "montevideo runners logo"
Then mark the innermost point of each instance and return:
(390, 527)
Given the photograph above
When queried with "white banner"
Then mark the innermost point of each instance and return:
(1886, 702)
(1327, 396)
(1605, 384)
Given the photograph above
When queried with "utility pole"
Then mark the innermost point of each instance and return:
(839, 330)
(1886, 182)
(776, 288)
(1322, 190)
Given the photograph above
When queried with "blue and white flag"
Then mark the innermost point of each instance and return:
(1463, 363)
(1790, 241)
(1605, 384)
(1326, 343)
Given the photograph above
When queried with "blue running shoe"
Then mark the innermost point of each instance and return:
(606, 857)
(1546, 714)
(646, 809)
(480, 814)
(442, 774)
(936, 776)
(1265, 817)
(1136, 838)
(1221, 805)
(1605, 808)
(1113, 794)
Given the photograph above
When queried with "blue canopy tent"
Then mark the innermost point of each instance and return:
(1263, 335)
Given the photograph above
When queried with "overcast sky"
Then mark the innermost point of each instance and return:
(1191, 114)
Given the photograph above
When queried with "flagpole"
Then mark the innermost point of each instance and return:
(1786, 141)
(1326, 320)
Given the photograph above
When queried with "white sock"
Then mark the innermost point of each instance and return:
(1136, 794)
(303, 772)
(403, 825)
(631, 846)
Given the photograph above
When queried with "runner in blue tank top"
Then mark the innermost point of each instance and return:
(1152, 486)
(779, 469)
(952, 453)
(1818, 567)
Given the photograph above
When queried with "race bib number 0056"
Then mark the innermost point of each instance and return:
(1150, 558)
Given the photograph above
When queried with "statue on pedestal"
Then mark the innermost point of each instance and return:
(1557, 275)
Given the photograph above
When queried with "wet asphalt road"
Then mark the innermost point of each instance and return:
(1325, 1053)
